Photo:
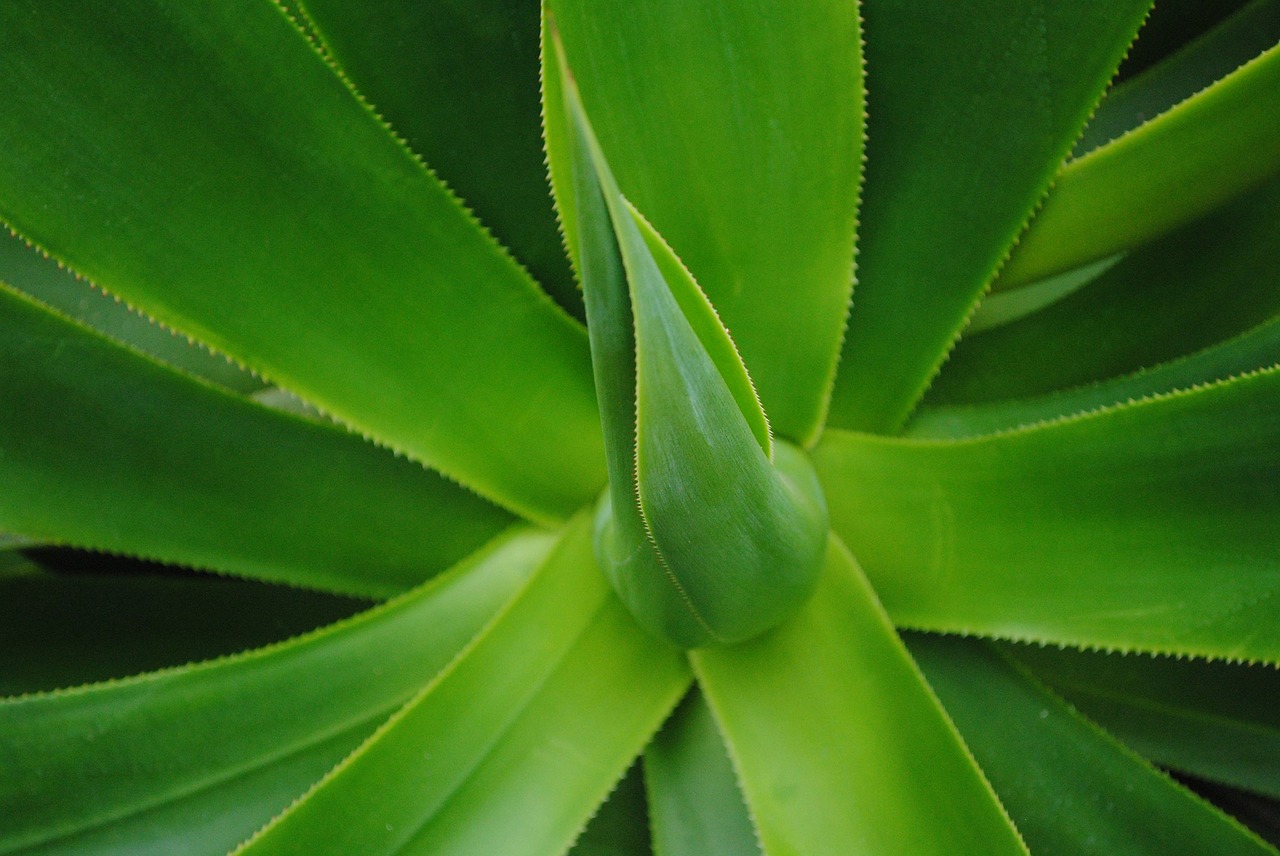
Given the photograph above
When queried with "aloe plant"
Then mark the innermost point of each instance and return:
(664, 427)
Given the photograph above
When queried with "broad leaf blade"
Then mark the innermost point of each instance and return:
(1213, 720)
(737, 131)
(512, 748)
(104, 448)
(1191, 159)
(456, 80)
(695, 803)
(620, 827)
(840, 745)
(1069, 786)
(247, 198)
(109, 766)
(1152, 526)
(972, 109)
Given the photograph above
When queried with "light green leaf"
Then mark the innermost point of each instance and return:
(729, 529)
(25, 269)
(1163, 175)
(1213, 720)
(737, 130)
(511, 749)
(1193, 67)
(1202, 285)
(455, 79)
(695, 803)
(58, 630)
(247, 198)
(109, 767)
(1070, 787)
(104, 448)
(840, 745)
(972, 109)
(1152, 526)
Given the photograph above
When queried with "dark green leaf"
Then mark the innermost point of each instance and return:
(245, 197)
(973, 107)
(1069, 787)
(104, 448)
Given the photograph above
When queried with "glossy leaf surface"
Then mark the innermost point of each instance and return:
(709, 533)
(108, 767)
(1214, 720)
(840, 744)
(511, 749)
(737, 131)
(1151, 526)
(455, 79)
(271, 215)
(1191, 159)
(1070, 788)
(972, 109)
(107, 449)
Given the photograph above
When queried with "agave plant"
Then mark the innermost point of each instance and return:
(642, 520)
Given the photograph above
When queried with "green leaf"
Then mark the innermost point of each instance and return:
(510, 749)
(457, 79)
(839, 743)
(113, 766)
(620, 827)
(1213, 720)
(737, 131)
(1204, 61)
(1152, 526)
(1200, 286)
(58, 630)
(247, 198)
(1191, 159)
(972, 109)
(729, 530)
(25, 269)
(1258, 348)
(104, 448)
(695, 804)
(1070, 787)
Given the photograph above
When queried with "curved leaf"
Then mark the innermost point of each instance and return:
(972, 109)
(737, 130)
(1070, 787)
(840, 745)
(1213, 720)
(1162, 175)
(104, 448)
(514, 745)
(1193, 67)
(108, 767)
(456, 79)
(1198, 287)
(247, 198)
(1152, 526)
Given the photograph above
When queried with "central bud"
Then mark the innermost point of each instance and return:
(709, 531)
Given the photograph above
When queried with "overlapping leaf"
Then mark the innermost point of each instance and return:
(104, 448)
(194, 759)
(246, 197)
(840, 744)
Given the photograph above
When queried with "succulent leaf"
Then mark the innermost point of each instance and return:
(730, 528)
